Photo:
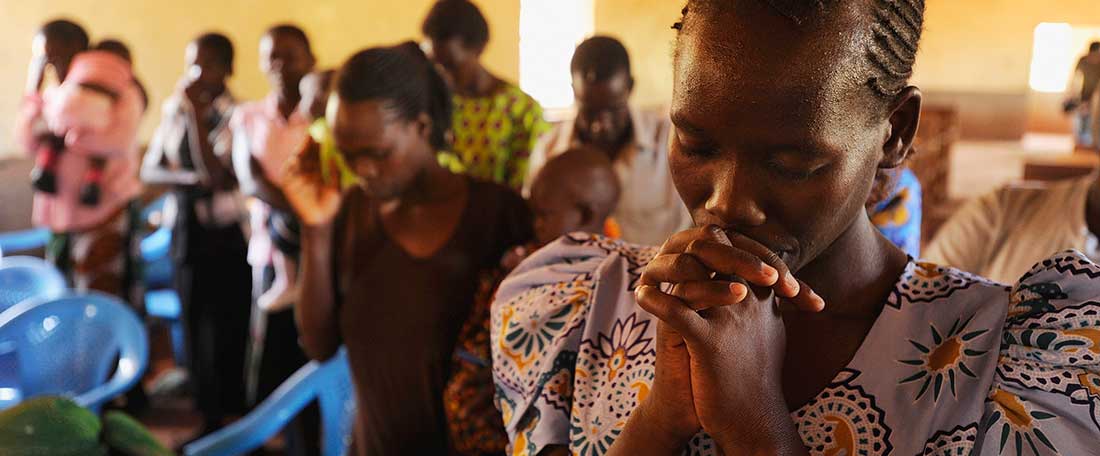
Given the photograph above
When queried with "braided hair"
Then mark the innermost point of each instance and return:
(896, 32)
(403, 77)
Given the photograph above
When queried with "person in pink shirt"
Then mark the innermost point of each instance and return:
(266, 134)
(84, 134)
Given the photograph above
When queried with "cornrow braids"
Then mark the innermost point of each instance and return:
(896, 31)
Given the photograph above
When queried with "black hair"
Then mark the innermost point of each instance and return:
(404, 77)
(67, 31)
(115, 47)
(220, 45)
(1094, 46)
(896, 28)
(292, 31)
(456, 18)
(601, 58)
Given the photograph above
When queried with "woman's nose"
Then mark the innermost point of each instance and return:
(734, 203)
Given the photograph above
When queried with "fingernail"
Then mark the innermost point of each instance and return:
(819, 303)
(792, 283)
(738, 289)
(770, 273)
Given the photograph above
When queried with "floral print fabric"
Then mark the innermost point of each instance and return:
(955, 364)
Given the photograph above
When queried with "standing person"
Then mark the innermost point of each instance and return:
(190, 153)
(636, 141)
(83, 133)
(390, 267)
(785, 323)
(266, 134)
(1086, 78)
(496, 124)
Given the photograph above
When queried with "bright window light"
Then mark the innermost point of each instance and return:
(549, 31)
(1052, 59)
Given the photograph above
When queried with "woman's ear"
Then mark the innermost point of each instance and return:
(904, 121)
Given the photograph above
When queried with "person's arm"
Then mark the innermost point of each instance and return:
(266, 190)
(1076, 83)
(154, 167)
(315, 311)
(1047, 366)
(36, 74)
(316, 204)
(965, 240)
(250, 174)
(1094, 107)
(29, 126)
(216, 172)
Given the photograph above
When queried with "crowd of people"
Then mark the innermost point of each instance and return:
(735, 274)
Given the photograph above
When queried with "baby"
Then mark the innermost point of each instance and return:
(95, 113)
(315, 89)
(574, 192)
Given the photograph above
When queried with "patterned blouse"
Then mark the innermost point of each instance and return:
(955, 364)
(494, 135)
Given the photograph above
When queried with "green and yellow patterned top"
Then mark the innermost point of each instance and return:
(494, 135)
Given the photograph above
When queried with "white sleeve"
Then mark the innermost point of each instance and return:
(964, 242)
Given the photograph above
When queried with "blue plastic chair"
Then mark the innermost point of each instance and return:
(161, 301)
(69, 346)
(156, 258)
(23, 278)
(329, 383)
(21, 241)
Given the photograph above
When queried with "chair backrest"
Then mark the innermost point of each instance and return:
(336, 395)
(329, 383)
(70, 345)
(21, 241)
(23, 278)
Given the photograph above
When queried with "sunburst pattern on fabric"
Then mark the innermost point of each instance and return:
(943, 362)
(524, 340)
(1017, 422)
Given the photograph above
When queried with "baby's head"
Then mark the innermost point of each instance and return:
(85, 101)
(315, 89)
(575, 191)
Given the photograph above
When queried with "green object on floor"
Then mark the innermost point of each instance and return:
(54, 426)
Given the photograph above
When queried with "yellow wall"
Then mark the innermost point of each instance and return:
(645, 27)
(158, 31)
(985, 45)
(969, 45)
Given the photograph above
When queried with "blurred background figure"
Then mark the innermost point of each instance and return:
(1086, 78)
(189, 157)
(635, 140)
(496, 124)
(266, 134)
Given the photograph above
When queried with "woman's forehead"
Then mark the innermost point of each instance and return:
(362, 123)
(767, 65)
